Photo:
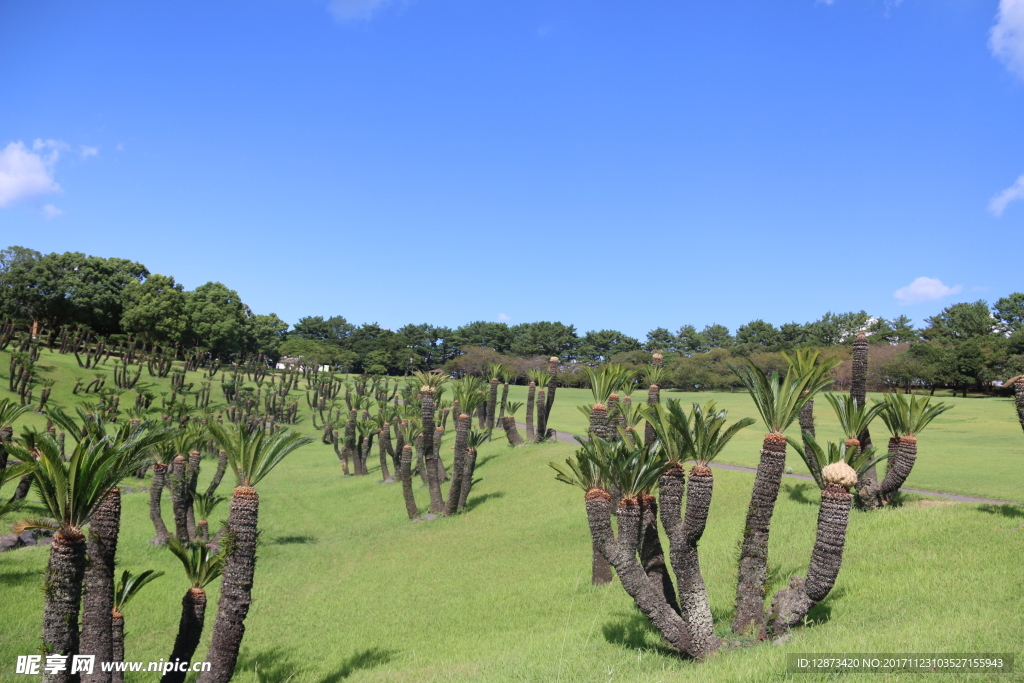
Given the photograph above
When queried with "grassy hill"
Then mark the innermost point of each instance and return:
(348, 589)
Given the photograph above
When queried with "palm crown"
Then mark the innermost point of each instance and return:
(253, 454)
(908, 417)
(853, 419)
(779, 398)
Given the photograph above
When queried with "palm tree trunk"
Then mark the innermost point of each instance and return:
(693, 594)
(98, 601)
(610, 432)
(598, 420)
(753, 568)
(859, 392)
(405, 472)
(179, 485)
(349, 445)
(399, 445)
(222, 464)
(382, 450)
(235, 587)
(552, 383)
(433, 484)
(542, 425)
(791, 605)
(806, 419)
(364, 455)
(481, 416)
(504, 401)
(492, 400)
(117, 639)
(190, 630)
(652, 555)
(531, 392)
(467, 478)
(442, 474)
(621, 553)
(156, 490)
(194, 459)
(511, 432)
(463, 423)
(900, 466)
(653, 398)
(62, 596)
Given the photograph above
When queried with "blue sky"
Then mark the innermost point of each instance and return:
(609, 165)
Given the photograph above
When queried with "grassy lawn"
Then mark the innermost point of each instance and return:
(348, 589)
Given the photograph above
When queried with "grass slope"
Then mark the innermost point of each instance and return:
(348, 589)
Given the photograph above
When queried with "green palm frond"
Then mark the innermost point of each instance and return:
(202, 565)
(130, 585)
(853, 419)
(11, 411)
(908, 417)
(779, 399)
(475, 438)
(204, 504)
(253, 455)
(633, 468)
(513, 407)
(410, 431)
(430, 379)
(470, 393)
(495, 370)
(538, 377)
(818, 457)
(585, 468)
(608, 379)
(654, 374)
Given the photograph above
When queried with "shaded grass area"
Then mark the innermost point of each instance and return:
(348, 590)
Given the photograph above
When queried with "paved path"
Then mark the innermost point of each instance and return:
(569, 438)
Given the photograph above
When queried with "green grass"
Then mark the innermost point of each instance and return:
(348, 589)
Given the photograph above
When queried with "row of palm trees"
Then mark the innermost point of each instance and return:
(78, 486)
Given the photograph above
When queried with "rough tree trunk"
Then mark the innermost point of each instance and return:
(492, 399)
(235, 587)
(98, 600)
(511, 431)
(190, 630)
(382, 448)
(179, 497)
(155, 493)
(427, 442)
(462, 425)
(531, 392)
(405, 472)
(753, 569)
(117, 638)
(222, 464)
(653, 398)
(806, 419)
(62, 596)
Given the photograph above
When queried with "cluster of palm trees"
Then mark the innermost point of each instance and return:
(618, 470)
(77, 485)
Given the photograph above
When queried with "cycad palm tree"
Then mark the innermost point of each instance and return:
(653, 376)
(803, 361)
(202, 565)
(778, 400)
(840, 467)
(252, 456)
(905, 418)
(507, 375)
(71, 491)
(469, 394)
(604, 382)
(429, 384)
(509, 423)
(494, 371)
(410, 429)
(474, 440)
(127, 588)
(536, 379)
(544, 409)
(699, 436)
(203, 505)
(854, 420)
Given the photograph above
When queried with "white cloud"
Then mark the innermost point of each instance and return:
(1014, 192)
(25, 174)
(1006, 40)
(351, 10)
(88, 151)
(502, 318)
(924, 289)
(51, 212)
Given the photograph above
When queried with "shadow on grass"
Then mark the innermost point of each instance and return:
(367, 659)
(27, 578)
(632, 630)
(798, 493)
(483, 461)
(822, 612)
(295, 540)
(1010, 511)
(478, 500)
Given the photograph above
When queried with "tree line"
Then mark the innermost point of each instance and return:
(964, 345)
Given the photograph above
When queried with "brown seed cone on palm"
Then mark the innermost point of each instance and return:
(63, 595)
(235, 587)
(621, 553)
(792, 604)
(430, 458)
(463, 423)
(155, 493)
(190, 630)
(753, 567)
(531, 392)
(98, 598)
